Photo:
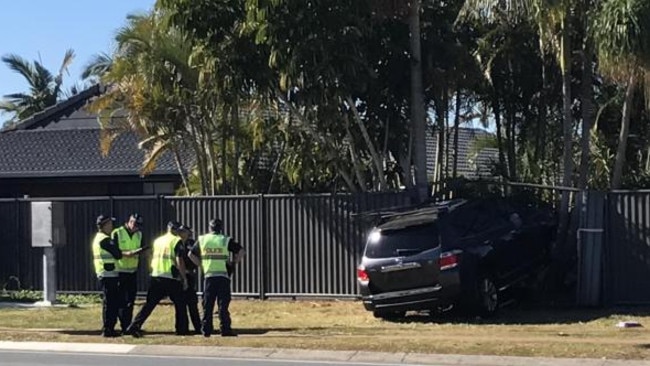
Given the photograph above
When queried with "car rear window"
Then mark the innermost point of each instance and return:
(403, 242)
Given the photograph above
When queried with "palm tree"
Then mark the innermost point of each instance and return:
(44, 87)
(99, 65)
(622, 34)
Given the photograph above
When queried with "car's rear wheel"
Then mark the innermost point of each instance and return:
(388, 315)
(488, 296)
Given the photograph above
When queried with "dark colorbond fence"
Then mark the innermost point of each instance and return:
(296, 245)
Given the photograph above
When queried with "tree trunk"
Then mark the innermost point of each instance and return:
(587, 113)
(540, 148)
(384, 151)
(276, 166)
(456, 127)
(445, 99)
(567, 124)
(497, 121)
(440, 153)
(235, 157)
(199, 150)
(371, 147)
(224, 159)
(418, 118)
(358, 171)
(625, 131)
(405, 162)
(181, 169)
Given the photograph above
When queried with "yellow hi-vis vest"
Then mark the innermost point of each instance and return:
(127, 242)
(102, 257)
(214, 254)
(162, 257)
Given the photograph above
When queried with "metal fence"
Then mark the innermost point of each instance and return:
(627, 259)
(309, 245)
(296, 245)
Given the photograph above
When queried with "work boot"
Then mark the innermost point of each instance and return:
(228, 333)
(110, 333)
(135, 332)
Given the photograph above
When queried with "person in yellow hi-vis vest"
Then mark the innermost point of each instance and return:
(211, 253)
(167, 279)
(105, 254)
(128, 237)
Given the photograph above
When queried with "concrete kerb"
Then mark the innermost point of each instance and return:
(309, 355)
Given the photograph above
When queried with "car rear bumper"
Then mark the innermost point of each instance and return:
(427, 298)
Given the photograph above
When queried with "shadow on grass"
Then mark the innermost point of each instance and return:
(241, 331)
(526, 316)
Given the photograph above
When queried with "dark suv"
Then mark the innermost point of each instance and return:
(455, 253)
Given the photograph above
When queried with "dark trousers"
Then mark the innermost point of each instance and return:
(192, 301)
(128, 289)
(159, 288)
(216, 288)
(111, 302)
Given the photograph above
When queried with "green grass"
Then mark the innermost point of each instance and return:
(341, 325)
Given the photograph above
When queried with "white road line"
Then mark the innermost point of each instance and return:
(67, 347)
(267, 360)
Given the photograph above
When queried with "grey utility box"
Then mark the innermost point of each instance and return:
(48, 227)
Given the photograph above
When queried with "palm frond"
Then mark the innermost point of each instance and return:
(97, 66)
(622, 33)
(152, 156)
(21, 66)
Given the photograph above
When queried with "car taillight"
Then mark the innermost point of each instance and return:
(362, 275)
(448, 260)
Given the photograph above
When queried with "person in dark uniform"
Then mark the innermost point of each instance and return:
(128, 237)
(105, 254)
(191, 300)
(167, 279)
(211, 253)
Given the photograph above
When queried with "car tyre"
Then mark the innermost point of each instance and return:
(388, 315)
(487, 298)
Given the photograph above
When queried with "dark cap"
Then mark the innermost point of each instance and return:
(184, 227)
(102, 219)
(174, 225)
(138, 219)
(216, 224)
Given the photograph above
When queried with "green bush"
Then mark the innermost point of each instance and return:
(33, 296)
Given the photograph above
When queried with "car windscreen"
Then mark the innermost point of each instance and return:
(402, 242)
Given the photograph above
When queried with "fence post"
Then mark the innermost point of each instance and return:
(161, 214)
(590, 248)
(262, 260)
(19, 244)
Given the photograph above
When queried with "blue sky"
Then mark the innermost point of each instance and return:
(45, 29)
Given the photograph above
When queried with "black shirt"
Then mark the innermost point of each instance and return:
(110, 246)
(189, 265)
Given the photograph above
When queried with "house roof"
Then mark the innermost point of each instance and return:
(72, 152)
(64, 140)
(482, 162)
(58, 111)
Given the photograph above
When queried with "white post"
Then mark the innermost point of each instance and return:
(49, 277)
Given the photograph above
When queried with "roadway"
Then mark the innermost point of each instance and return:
(36, 358)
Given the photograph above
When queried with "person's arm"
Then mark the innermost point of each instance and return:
(237, 250)
(108, 245)
(179, 251)
(195, 255)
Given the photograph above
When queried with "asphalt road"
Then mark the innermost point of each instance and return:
(30, 358)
